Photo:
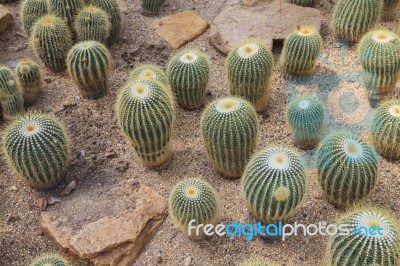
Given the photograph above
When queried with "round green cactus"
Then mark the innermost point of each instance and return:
(386, 129)
(66, 9)
(31, 11)
(229, 129)
(51, 39)
(88, 64)
(188, 73)
(49, 260)
(151, 7)
(303, 2)
(11, 101)
(301, 50)
(362, 246)
(114, 12)
(30, 79)
(274, 184)
(249, 70)
(36, 146)
(258, 262)
(92, 23)
(389, 9)
(145, 112)
(306, 119)
(148, 71)
(353, 18)
(193, 199)
(347, 168)
(380, 54)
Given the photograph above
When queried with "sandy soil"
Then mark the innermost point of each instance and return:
(93, 129)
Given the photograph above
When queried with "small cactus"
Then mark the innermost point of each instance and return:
(386, 129)
(249, 70)
(30, 79)
(11, 101)
(347, 168)
(389, 9)
(229, 129)
(274, 184)
(188, 73)
(148, 71)
(151, 7)
(379, 51)
(31, 11)
(51, 39)
(306, 119)
(353, 18)
(66, 9)
(36, 146)
(92, 23)
(301, 50)
(49, 260)
(145, 112)
(193, 199)
(111, 7)
(88, 65)
(360, 246)
(303, 2)
(258, 262)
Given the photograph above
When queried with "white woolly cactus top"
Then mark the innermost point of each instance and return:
(248, 50)
(281, 159)
(383, 36)
(395, 110)
(227, 105)
(368, 219)
(189, 57)
(140, 90)
(306, 30)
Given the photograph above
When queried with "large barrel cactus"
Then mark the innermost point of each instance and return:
(31, 11)
(113, 10)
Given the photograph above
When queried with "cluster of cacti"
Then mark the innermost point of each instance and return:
(274, 184)
(258, 262)
(360, 246)
(193, 199)
(389, 9)
(347, 168)
(51, 39)
(92, 23)
(353, 18)
(49, 260)
(306, 119)
(145, 112)
(66, 9)
(113, 10)
(249, 70)
(36, 146)
(229, 129)
(30, 79)
(11, 101)
(303, 2)
(386, 129)
(152, 7)
(188, 74)
(149, 71)
(301, 50)
(380, 54)
(88, 65)
(31, 11)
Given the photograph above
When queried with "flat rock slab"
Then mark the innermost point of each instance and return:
(6, 18)
(180, 28)
(268, 20)
(113, 239)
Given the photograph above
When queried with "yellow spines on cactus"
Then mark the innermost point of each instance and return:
(31, 11)
(30, 79)
(92, 23)
(148, 71)
(66, 9)
(113, 10)
(11, 100)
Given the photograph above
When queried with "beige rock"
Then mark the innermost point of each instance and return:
(269, 20)
(6, 18)
(180, 28)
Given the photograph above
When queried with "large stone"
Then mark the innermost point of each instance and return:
(268, 20)
(6, 18)
(180, 28)
(113, 239)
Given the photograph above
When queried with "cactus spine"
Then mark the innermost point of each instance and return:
(258, 262)
(31, 11)
(229, 129)
(303, 2)
(36, 147)
(148, 71)
(389, 9)
(274, 184)
(347, 168)
(51, 40)
(111, 7)
(249, 70)
(66, 9)
(11, 101)
(361, 247)
(145, 112)
(353, 18)
(193, 199)
(301, 50)
(380, 54)
(151, 7)
(188, 73)
(88, 64)
(30, 79)
(386, 129)
(92, 23)
(306, 119)
(49, 260)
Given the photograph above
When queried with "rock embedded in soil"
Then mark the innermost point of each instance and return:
(270, 20)
(6, 18)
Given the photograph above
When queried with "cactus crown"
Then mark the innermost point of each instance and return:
(11, 101)
(66, 9)
(92, 23)
(49, 260)
(148, 71)
(31, 11)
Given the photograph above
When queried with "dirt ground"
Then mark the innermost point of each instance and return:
(92, 126)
